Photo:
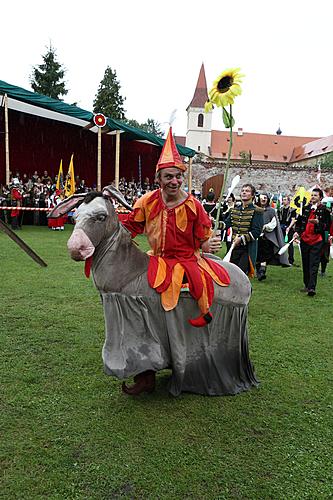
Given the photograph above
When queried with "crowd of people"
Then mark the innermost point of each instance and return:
(36, 191)
(40, 191)
(252, 225)
(257, 233)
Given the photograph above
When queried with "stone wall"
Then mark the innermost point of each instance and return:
(279, 178)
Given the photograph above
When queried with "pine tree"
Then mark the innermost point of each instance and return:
(153, 127)
(108, 99)
(47, 78)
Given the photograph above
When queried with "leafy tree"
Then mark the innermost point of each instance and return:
(153, 127)
(132, 122)
(327, 160)
(108, 99)
(245, 156)
(47, 78)
(150, 126)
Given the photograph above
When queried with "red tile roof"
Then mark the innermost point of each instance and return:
(313, 148)
(200, 94)
(179, 139)
(263, 147)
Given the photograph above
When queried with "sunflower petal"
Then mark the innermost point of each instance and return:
(208, 106)
(235, 90)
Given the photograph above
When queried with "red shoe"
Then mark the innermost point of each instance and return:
(202, 320)
(143, 382)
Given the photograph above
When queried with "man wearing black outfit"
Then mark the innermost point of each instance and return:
(287, 219)
(311, 227)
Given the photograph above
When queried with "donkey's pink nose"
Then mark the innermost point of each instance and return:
(79, 245)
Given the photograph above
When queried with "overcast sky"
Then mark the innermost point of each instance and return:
(284, 47)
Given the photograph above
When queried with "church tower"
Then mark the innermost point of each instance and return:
(199, 123)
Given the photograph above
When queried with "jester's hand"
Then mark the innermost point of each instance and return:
(212, 245)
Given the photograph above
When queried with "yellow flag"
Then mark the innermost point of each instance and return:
(70, 179)
(300, 199)
(60, 178)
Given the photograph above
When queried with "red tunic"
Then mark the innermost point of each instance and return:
(309, 236)
(53, 201)
(17, 196)
(175, 236)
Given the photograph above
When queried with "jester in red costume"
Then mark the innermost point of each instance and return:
(177, 227)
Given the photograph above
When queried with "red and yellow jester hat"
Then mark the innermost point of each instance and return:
(170, 156)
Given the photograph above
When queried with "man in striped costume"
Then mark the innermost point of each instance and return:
(246, 221)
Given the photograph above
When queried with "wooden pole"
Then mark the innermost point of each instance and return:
(117, 159)
(190, 176)
(6, 138)
(99, 159)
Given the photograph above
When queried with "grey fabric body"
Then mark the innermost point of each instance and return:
(212, 360)
(140, 335)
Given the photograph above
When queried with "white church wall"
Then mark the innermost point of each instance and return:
(199, 138)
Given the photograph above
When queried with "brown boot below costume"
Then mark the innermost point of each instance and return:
(143, 382)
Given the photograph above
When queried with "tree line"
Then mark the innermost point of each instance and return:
(48, 79)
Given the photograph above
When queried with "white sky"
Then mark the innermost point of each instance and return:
(284, 47)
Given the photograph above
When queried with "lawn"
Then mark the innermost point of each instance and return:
(67, 431)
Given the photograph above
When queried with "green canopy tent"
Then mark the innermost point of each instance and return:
(78, 116)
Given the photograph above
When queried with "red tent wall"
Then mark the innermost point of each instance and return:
(37, 143)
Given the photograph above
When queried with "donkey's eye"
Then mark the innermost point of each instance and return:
(100, 217)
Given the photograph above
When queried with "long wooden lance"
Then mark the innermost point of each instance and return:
(6, 229)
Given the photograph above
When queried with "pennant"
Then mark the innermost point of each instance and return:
(60, 178)
(70, 179)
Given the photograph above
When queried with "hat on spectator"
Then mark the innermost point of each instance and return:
(170, 156)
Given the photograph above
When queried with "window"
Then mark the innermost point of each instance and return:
(198, 148)
(200, 120)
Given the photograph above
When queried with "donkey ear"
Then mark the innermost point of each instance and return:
(66, 205)
(112, 192)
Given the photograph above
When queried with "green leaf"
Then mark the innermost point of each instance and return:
(228, 119)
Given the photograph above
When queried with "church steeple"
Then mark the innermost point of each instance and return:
(200, 94)
(199, 123)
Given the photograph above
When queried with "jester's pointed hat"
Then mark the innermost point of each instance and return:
(170, 156)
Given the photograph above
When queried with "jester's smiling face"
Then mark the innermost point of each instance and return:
(171, 180)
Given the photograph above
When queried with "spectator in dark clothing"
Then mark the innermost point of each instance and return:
(312, 227)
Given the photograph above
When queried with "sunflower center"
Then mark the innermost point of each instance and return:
(224, 84)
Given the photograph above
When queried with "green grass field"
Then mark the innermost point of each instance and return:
(67, 431)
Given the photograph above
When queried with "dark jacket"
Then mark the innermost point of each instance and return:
(321, 213)
(291, 214)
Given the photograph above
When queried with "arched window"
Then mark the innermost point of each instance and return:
(200, 120)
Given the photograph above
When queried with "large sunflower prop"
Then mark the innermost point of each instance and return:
(225, 88)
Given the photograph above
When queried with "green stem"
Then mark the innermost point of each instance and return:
(225, 177)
